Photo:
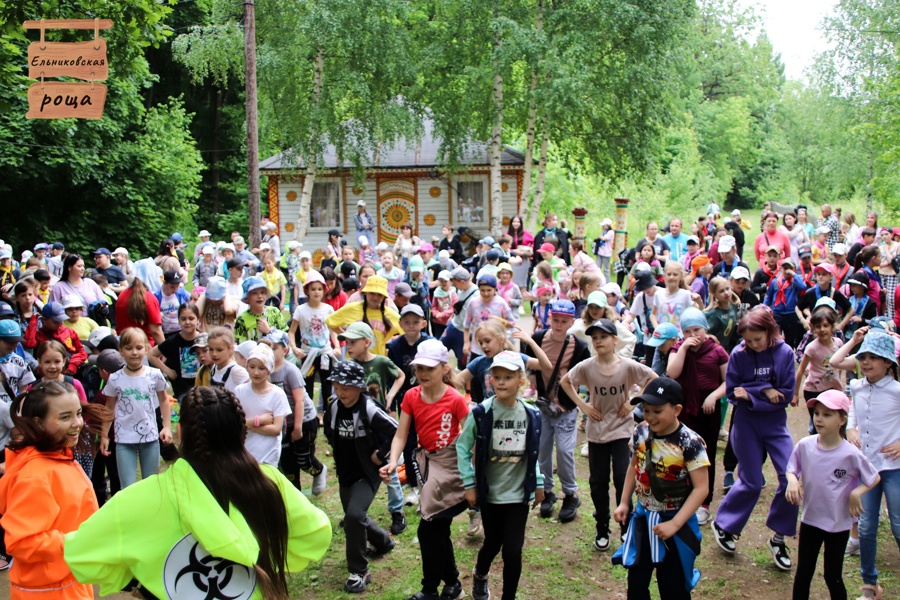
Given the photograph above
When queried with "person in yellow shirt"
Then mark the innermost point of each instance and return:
(275, 282)
(373, 310)
(83, 326)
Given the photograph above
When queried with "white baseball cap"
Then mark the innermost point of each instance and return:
(740, 273)
(305, 254)
(727, 243)
(265, 246)
(208, 250)
(840, 249)
(612, 288)
(120, 250)
(735, 213)
(509, 360)
(72, 301)
(294, 244)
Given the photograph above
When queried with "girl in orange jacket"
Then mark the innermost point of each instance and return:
(45, 493)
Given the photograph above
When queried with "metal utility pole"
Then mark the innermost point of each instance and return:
(252, 122)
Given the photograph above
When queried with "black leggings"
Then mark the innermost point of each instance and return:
(310, 382)
(300, 455)
(103, 466)
(600, 456)
(811, 540)
(436, 546)
(504, 528)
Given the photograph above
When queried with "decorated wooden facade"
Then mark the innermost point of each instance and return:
(403, 184)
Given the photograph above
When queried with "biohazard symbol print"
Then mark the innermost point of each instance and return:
(192, 573)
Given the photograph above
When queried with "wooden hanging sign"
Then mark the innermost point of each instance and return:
(82, 60)
(66, 100)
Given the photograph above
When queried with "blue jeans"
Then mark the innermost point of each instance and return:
(395, 494)
(127, 459)
(889, 487)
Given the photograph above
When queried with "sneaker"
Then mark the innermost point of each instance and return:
(852, 547)
(601, 542)
(723, 434)
(702, 515)
(480, 589)
(425, 596)
(547, 505)
(780, 554)
(373, 552)
(356, 583)
(412, 498)
(6, 561)
(728, 480)
(584, 450)
(318, 485)
(765, 483)
(476, 529)
(398, 523)
(724, 540)
(569, 508)
(452, 591)
(582, 424)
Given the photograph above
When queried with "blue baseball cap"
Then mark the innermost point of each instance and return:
(487, 280)
(10, 331)
(177, 237)
(662, 333)
(562, 307)
(6, 311)
(41, 246)
(487, 240)
(55, 311)
(102, 251)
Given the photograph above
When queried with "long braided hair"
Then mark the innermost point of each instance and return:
(384, 318)
(214, 428)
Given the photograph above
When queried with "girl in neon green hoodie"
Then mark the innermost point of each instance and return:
(216, 524)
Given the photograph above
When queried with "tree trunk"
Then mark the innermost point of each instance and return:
(252, 123)
(542, 171)
(532, 119)
(312, 152)
(496, 139)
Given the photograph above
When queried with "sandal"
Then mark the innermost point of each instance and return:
(871, 592)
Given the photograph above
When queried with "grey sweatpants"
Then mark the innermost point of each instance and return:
(561, 431)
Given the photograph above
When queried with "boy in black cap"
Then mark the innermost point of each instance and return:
(671, 481)
(610, 424)
(360, 433)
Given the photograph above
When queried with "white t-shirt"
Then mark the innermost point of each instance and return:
(168, 308)
(670, 306)
(236, 375)
(235, 290)
(311, 324)
(137, 399)
(265, 448)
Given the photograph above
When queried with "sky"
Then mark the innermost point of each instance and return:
(793, 27)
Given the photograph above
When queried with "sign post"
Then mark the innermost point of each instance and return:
(81, 60)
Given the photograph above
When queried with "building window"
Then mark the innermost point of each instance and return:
(470, 203)
(325, 206)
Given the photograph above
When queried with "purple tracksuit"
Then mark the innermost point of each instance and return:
(759, 425)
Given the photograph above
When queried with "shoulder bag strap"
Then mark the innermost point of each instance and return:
(551, 383)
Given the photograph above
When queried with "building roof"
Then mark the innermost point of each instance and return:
(404, 154)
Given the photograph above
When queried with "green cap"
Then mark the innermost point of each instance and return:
(357, 331)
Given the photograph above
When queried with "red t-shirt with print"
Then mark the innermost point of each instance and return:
(437, 425)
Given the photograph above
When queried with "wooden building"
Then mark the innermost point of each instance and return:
(403, 184)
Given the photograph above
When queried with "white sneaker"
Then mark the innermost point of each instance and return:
(476, 529)
(702, 515)
(584, 450)
(318, 485)
(412, 498)
(852, 548)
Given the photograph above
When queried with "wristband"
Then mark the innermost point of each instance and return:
(256, 421)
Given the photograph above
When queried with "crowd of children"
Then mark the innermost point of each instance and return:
(219, 381)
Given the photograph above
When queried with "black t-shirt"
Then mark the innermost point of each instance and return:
(658, 245)
(748, 301)
(736, 232)
(724, 268)
(346, 460)
(808, 301)
(181, 358)
(113, 274)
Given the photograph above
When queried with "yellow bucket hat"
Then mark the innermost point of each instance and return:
(376, 285)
